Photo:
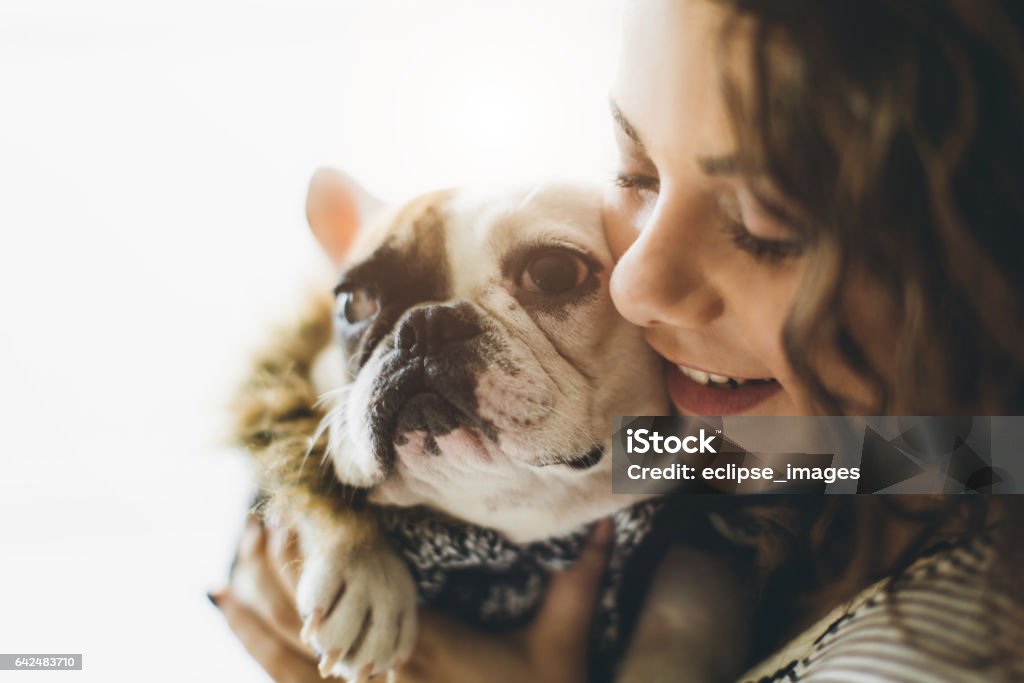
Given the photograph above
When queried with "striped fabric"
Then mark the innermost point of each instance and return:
(938, 622)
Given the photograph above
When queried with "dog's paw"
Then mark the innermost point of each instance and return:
(359, 611)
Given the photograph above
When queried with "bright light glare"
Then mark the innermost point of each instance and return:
(153, 164)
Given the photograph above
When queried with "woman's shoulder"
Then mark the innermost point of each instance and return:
(942, 620)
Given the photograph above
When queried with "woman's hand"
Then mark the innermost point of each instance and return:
(552, 648)
(259, 602)
(259, 605)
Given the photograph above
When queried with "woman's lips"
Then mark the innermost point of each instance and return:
(696, 398)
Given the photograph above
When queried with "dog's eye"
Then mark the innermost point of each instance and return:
(358, 304)
(553, 271)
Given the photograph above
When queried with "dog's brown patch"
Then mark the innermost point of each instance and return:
(410, 267)
(276, 411)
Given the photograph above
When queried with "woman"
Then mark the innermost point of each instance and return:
(821, 202)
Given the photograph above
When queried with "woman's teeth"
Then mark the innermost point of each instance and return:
(714, 380)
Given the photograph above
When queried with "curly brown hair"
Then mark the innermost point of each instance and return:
(890, 135)
(895, 130)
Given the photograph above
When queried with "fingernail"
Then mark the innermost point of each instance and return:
(253, 527)
(603, 532)
(252, 535)
(311, 623)
(274, 542)
(214, 599)
(328, 661)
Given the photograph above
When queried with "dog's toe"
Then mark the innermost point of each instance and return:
(362, 611)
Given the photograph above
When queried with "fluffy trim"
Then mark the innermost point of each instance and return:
(277, 413)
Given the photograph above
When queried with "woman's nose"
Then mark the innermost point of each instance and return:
(660, 278)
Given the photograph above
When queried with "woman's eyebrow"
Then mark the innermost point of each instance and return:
(723, 165)
(720, 165)
(627, 127)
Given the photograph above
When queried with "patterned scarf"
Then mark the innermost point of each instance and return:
(481, 576)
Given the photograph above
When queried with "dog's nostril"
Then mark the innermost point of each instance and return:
(428, 329)
(448, 325)
(407, 335)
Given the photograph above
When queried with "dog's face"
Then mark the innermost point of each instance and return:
(483, 359)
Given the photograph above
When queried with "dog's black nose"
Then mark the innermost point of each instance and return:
(427, 330)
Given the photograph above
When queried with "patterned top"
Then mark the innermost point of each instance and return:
(937, 622)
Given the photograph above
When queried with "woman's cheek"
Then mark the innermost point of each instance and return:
(760, 298)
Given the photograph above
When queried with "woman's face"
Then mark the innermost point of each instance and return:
(704, 269)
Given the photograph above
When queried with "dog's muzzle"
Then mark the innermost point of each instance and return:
(427, 383)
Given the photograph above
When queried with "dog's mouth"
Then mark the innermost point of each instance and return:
(586, 461)
(420, 398)
(431, 398)
(431, 413)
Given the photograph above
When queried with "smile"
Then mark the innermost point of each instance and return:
(718, 381)
(697, 392)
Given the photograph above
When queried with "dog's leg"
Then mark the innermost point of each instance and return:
(355, 595)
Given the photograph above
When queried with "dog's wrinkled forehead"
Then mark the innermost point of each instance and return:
(447, 245)
(483, 230)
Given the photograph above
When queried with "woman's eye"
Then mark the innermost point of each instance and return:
(738, 212)
(637, 183)
(772, 251)
(553, 272)
(358, 304)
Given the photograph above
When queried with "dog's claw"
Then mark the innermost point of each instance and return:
(368, 626)
(364, 674)
(328, 661)
(311, 624)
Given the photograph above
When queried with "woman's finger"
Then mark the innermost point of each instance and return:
(265, 589)
(251, 542)
(563, 622)
(437, 635)
(449, 651)
(285, 557)
(281, 662)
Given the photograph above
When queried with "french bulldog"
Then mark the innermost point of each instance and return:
(475, 368)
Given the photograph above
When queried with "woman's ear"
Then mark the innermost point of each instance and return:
(336, 208)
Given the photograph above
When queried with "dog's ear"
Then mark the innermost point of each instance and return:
(336, 207)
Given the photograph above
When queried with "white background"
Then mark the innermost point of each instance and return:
(153, 163)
